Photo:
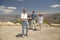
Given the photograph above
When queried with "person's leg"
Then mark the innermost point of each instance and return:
(39, 26)
(26, 28)
(34, 25)
(23, 29)
(30, 25)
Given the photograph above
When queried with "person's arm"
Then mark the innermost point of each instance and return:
(36, 17)
(22, 17)
(31, 16)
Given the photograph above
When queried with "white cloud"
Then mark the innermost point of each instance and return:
(55, 5)
(20, 0)
(11, 7)
(5, 9)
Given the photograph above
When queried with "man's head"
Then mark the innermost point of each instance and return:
(24, 10)
(33, 11)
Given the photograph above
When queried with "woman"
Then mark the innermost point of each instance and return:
(40, 21)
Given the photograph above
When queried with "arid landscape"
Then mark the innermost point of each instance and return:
(14, 33)
(12, 14)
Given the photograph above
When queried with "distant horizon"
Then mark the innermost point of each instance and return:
(20, 13)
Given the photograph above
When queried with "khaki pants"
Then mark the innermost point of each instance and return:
(33, 24)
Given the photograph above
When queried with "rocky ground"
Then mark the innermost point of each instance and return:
(14, 33)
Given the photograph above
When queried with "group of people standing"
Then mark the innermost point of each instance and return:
(30, 20)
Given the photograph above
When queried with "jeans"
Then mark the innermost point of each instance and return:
(24, 23)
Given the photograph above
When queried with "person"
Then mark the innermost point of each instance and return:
(40, 20)
(24, 18)
(33, 16)
(29, 21)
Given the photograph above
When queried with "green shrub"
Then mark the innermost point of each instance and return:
(45, 21)
(17, 21)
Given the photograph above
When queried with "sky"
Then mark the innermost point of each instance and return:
(16, 6)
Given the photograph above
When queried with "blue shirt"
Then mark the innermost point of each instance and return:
(33, 16)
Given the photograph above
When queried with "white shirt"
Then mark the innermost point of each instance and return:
(40, 19)
(24, 16)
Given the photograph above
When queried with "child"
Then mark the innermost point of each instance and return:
(40, 20)
(29, 21)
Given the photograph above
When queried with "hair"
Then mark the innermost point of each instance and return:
(33, 11)
(24, 9)
(40, 15)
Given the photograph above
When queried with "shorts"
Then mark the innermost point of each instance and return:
(29, 21)
(33, 21)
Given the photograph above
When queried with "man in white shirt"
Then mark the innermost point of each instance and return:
(24, 18)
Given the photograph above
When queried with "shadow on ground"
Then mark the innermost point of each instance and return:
(19, 35)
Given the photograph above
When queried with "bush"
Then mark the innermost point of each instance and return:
(17, 21)
(45, 21)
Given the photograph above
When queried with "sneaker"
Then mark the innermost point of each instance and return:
(30, 28)
(26, 35)
(23, 36)
(34, 29)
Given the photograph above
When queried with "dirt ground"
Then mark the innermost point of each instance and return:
(14, 33)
